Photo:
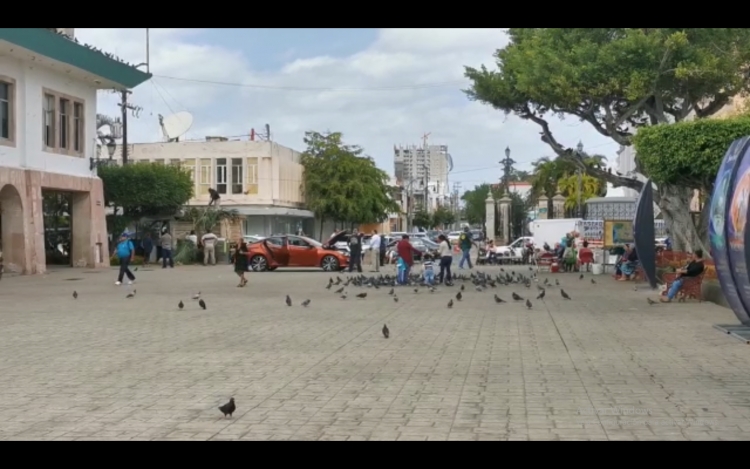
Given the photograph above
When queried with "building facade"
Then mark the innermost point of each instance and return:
(48, 86)
(260, 179)
(424, 174)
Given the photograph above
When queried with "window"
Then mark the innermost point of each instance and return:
(49, 121)
(64, 123)
(237, 176)
(251, 176)
(298, 242)
(175, 162)
(64, 129)
(205, 176)
(221, 175)
(78, 127)
(189, 165)
(275, 241)
(159, 161)
(7, 111)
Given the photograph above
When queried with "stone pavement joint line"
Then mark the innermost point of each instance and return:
(604, 366)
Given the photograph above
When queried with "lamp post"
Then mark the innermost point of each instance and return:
(579, 147)
(111, 148)
(409, 200)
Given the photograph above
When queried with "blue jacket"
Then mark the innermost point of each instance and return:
(125, 248)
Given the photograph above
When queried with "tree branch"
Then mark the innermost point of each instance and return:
(719, 101)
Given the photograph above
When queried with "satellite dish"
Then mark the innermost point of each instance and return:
(175, 126)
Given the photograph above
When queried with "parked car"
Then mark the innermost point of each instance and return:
(420, 244)
(453, 236)
(287, 250)
(252, 238)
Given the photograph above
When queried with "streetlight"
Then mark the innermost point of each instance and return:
(111, 148)
(579, 147)
(507, 152)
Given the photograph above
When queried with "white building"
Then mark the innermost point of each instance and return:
(625, 164)
(48, 86)
(260, 179)
(424, 174)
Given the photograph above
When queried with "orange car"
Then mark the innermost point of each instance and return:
(296, 251)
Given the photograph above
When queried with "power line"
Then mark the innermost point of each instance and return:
(442, 84)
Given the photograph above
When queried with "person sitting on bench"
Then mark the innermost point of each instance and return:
(693, 269)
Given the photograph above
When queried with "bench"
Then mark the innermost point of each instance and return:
(691, 288)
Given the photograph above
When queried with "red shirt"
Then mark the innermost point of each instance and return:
(405, 250)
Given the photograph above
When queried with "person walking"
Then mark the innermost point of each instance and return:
(446, 259)
(465, 243)
(147, 243)
(166, 250)
(355, 252)
(125, 253)
(209, 248)
(240, 262)
(406, 253)
(375, 251)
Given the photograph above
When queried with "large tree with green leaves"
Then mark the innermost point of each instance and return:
(475, 210)
(341, 183)
(618, 80)
(443, 216)
(146, 189)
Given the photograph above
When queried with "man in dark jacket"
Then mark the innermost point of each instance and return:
(693, 269)
(406, 252)
(355, 252)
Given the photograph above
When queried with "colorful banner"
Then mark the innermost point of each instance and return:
(592, 230)
(719, 227)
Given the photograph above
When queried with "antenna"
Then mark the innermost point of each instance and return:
(268, 132)
(175, 126)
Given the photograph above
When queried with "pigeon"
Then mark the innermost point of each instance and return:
(651, 302)
(75, 295)
(498, 299)
(541, 295)
(330, 284)
(228, 408)
(131, 294)
(450, 304)
(343, 297)
(416, 290)
(478, 288)
(557, 282)
(395, 299)
(306, 303)
(581, 277)
(386, 332)
(362, 295)
(202, 304)
(528, 304)
(288, 301)
(516, 297)
(391, 292)
(564, 295)
(180, 304)
(135, 270)
(340, 290)
(197, 296)
(593, 281)
(459, 296)
(463, 287)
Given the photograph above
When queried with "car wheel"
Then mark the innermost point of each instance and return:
(330, 264)
(258, 263)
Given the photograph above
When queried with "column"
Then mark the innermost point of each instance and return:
(505, 219)
(558, 205)
(489, 206)
(543, 208)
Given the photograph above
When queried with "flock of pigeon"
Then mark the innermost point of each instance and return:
(480, 280)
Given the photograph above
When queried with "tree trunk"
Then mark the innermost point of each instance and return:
(675, 205)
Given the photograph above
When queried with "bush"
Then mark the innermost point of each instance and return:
(115, 261)
(186, 252)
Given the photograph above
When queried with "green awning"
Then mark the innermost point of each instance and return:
(62, 49)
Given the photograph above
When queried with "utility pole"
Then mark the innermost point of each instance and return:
(456, 208)
(124, 108)
(426, 167)
(507, 169)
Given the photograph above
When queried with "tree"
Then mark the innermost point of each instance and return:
(617, 80)
(443, 216)
(422, 219)
(548, 173)
(475, 209)
(590, 187)
(146, 189)
(519, 215)
(688, 154)
(342, 184)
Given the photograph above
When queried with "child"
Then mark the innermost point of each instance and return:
(401, 265)
(428, 271)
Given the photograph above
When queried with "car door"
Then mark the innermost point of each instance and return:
(279, 249)
(301, 253)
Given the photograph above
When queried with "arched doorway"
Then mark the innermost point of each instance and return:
(12, 239)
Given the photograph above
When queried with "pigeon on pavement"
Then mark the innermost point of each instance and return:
(564, 295)
(180, 304)
(202, 304)
(306, 303)
(386, 332)
(228, 408)
(75, 295)
(288, 301)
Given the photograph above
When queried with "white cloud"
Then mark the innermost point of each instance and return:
(358, 95)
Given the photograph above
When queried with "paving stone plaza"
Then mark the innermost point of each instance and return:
(603, 366)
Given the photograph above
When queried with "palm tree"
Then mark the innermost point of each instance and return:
(548, 172)
(590, 188)
(206, 218)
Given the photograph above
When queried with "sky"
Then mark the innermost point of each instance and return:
(379, 87)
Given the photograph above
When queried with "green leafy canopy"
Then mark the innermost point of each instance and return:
(146, 189)
(340, 183)
(688, 153)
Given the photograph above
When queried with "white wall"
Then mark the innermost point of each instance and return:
(28, 153)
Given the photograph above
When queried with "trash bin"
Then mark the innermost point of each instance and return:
(222, 254)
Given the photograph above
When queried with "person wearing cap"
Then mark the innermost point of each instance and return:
(465, 243)
(125, 253)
